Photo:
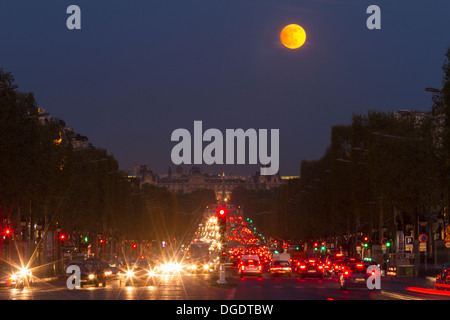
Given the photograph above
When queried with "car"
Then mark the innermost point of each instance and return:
(11, 277)
(443, 277)
(136, 272)
(333, 264)
(310, 268)
(251, 266)
(197, 266)
(280, 268)
(354, 274)
(340, 264)
(235, 259)
(112, 268)
(92, 273)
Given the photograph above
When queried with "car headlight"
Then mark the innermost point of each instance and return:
(130, 273)
(206, 267)
(151, 273)
(91, 276)
(24, 272)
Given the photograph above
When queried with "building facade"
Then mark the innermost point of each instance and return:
(181, 181)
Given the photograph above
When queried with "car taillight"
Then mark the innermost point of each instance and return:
(302, 267)
(346, 272)
(320, 267)
(242, 268)
(259, 268)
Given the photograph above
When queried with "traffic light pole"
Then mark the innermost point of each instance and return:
(223, 228)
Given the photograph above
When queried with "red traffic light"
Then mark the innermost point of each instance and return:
(134, 245)
(221, 212)
(8, 232)
(366, 239)
(62, 237)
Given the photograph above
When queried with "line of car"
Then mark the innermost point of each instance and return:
(350, 271)
(132, 272)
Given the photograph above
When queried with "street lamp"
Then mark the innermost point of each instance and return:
(433, 90)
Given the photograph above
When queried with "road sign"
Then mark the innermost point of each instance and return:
(383, 241)
(423, 238)
(423, 246)
(447, 245)
(409, 243)
(409, 240)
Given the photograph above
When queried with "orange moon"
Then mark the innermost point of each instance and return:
(293, 36)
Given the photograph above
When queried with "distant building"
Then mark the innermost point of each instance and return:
(78, 141)
(182, 181)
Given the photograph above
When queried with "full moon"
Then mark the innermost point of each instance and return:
(293, 36)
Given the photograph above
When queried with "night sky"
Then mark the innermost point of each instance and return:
(137, 70)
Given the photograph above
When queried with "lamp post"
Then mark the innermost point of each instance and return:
(39, 227)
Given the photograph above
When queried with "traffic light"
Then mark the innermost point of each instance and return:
(366, 242)
(8, 231)
(134, 246)
(62, 238)
(101, 242)
(221, 216)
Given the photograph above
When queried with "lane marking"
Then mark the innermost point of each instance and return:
(232, 293)
(400, 296)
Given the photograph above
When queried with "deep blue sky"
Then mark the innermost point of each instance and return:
(140, 69)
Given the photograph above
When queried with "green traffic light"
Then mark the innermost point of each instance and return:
(388, 244)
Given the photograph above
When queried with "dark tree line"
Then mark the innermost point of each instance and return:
(44, 179)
